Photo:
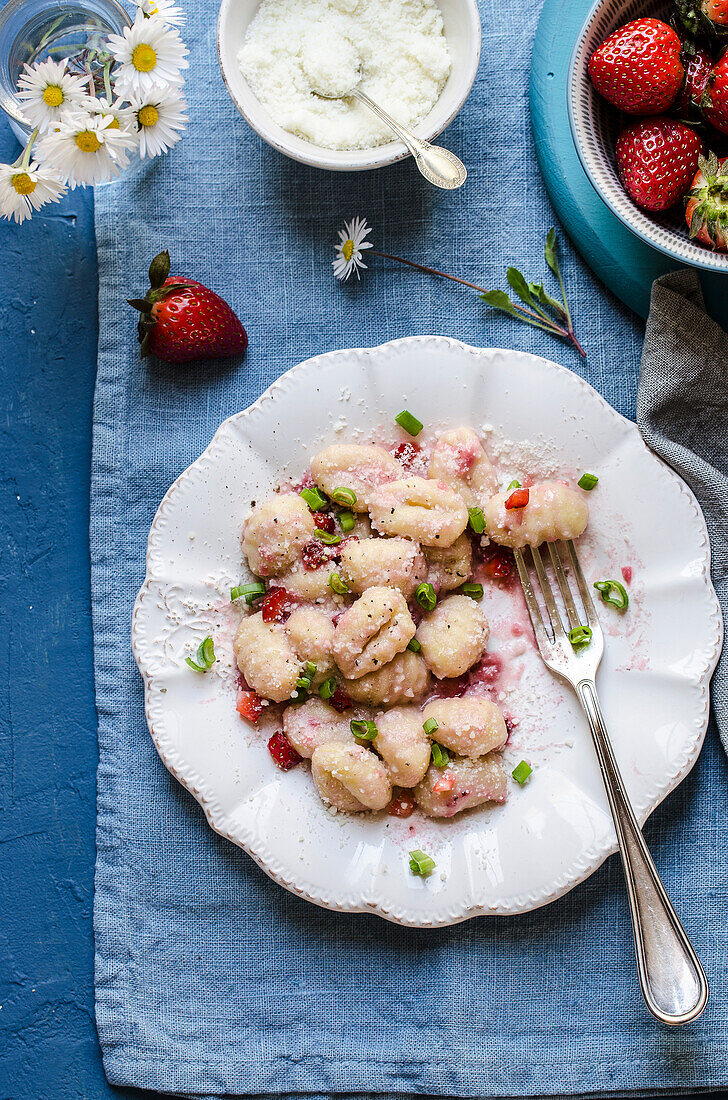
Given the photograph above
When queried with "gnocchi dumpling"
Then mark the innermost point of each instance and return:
(459, 459)
(449, 566)
(419, 508)
(403, 744)
(354, 466)
(308, 584)
(311, 634)
(470, 726)
(554, 511)
(396, 563)
(405, 678)
(313, 723)
(453, 636)
(464, 783)
(372, 631)
(266, 658)
(350, 777)
(275, 532)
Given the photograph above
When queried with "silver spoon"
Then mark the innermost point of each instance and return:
(441, 167)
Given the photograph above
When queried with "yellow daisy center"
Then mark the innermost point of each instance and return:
(23, 184)
(347, 249)
(144, 58)
(148, 116)
(87, 141)
(114, 125)
(53, 95)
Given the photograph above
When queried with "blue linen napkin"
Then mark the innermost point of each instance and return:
(212, 980)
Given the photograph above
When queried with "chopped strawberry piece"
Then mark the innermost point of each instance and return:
(452, 688)
(313, 555)
(500, 565)
(627, 573)
(340, 701)
(402, 804)
(324, 522)
(284, 755)
(406, 453)
(277, 605)
(518, 498)
(446, 782)
(250, 705)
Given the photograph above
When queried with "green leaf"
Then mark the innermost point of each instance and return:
(517, 282)
(159, 269)
(546, 300)
(550, 252)
(141, 304)
(498, 299)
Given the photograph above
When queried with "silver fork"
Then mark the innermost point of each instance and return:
(672, 980)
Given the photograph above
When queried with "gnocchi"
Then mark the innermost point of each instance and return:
(554, 511)
(314, 723)
(396, 563)
(356, 467)
(372, 631)
(470, 726)
(453, 636)
(465, 783)
(350, 777)
(449, 566)
(266, 658)
(459, 459)
(275, 532)
(419, 508)
(311, 634)
(402, 743)
(403, 680)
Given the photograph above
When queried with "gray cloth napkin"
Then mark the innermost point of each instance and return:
(682, 413)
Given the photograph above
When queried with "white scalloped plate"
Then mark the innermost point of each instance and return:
(555, 831)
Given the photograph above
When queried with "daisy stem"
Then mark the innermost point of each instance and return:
(91, 82)
(24, 159)
(107, 82)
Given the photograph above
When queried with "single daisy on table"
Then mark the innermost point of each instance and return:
(167, 9)
(49, 94)
(25, 188)
(88, 149)
(349, 249)
(161, 119)
(150, 55)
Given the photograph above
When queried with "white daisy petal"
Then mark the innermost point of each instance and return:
(23, 190)
(86, 150)
(150, 54)
(349, 249)
(49, 94)
(166, 9)
(160, 120)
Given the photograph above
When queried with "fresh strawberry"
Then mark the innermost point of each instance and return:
(715, 96)
(707, 208)
(638, 67)
(323, 522)
(703, 18)
(657, 159)
(517, 499)
(402, 804)
(697, 65)
(181, 320)
(250, 705)
(340, 701)
(284, 755)
(407, 453)
(499, 563)
(277, 605)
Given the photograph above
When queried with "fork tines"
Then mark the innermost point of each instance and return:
(553, 628)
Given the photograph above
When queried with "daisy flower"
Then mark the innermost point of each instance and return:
(167, 9)
(161, 120)
(150, 55)
(24, 189)
(50, 94)
(86, 150)
(349, 249)
(122, 117)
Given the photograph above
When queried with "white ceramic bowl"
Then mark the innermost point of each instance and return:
(595, 125)
(462, 30)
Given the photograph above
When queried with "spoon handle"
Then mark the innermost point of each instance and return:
(441, 167)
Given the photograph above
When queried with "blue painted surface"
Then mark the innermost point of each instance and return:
(47, 714)
(621, 260)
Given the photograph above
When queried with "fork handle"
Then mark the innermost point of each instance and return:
(672, 980)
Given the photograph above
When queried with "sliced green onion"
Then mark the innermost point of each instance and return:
(205, 657)
(587, 481)
(365, 731)
(344, 496)
(314, 498)
(328, 688)
(426, 596)
(420, 863)
(310, 668)
(580, 636)
(413, 645)
(347, 521)
(251, 591)
(338, 584)
(326, 538)
(476, 520)
(475, 591)
(514, 485)
(410, 423)
(521, 772)
(430, 726)
(303, 683)
(614, 593)
(440, 756)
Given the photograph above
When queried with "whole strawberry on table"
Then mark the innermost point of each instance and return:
(674, 79)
